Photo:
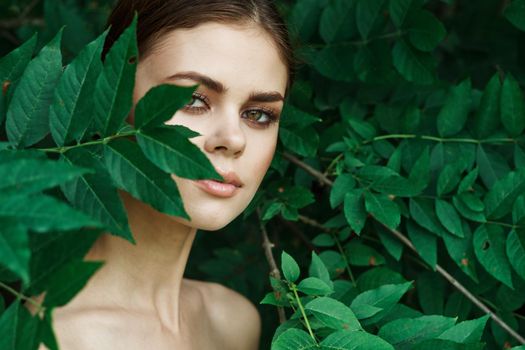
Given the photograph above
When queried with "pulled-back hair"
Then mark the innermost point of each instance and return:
(158, 17)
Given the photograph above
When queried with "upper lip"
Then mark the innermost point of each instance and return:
(230, 177)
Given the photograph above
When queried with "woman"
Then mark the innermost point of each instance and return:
(238, 53)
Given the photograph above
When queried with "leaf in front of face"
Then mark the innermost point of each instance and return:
(489, 246)
(487, 118)
(72, 108)
(28, 115)
(453, 115)
(19, 176)
(133, 172)
(14, 248)
(501, 197)
(289, 267)
(114, 88)
(52, 251)
(95, 195)
(415, 66)
(174, 153)
(512, 106)
(333, 314)
(293, 339)
(42, 213)
(516, 251)
(160, 104)
(12, 66)
(355, 340)
(68, 281)
(404, 333)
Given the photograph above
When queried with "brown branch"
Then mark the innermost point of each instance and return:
(274, 270)
(18, 22)
(323, 179)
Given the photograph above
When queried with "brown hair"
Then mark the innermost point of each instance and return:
(157, 17)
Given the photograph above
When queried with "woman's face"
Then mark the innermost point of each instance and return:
(242, 81)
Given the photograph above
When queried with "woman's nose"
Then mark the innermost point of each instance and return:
(226, 136)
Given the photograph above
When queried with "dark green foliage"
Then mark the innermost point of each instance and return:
(406, 119)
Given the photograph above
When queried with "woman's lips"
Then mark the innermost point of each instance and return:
(225, 189)
(216, 188)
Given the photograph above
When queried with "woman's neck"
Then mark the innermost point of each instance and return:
(147, 275)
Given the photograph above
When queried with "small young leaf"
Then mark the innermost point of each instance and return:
(489, 246)
(289, 267)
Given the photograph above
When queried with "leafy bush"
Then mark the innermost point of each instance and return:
(401, 165)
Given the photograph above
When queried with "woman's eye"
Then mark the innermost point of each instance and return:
(196, 102)
(259, 116)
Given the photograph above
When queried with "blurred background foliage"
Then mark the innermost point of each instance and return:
(380, 86)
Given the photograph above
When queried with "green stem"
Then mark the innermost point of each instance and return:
(21, 296)
(440, 139)
(294, 289)
(347, 264)
(90, 143)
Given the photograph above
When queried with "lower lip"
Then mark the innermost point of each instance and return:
(218, 189)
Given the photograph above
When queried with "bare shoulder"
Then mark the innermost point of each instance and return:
(232, 315)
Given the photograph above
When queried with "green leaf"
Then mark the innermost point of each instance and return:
(415, 66)
(516, 251)
(289, 267)
(430, 293)
(333, 62)
(515, 13)
(449, 217)
(422, 212)
(160, 104)
(465, 210)
(354, 210)
(314, 286)
(405, 333)
(333, 314)
(301, 141)
(424, 242)
(393, 246)
(95, 195)
(272, 210)
(420, 172)
(323, 240)
(377, 277)
(134, 173)
(519, 157)
(461, 250)
(467, 331)
(337, 21)
(489, 246)
(72, 109)
(19, 176)
(318, 269)
(468, 181)
(453, 115)
(449, 178)
(362, 255)
(356, 340)
(492, 166)
(425, 31)
(398, 11)
(292, 117)
(518, 210)
(68, 281)
(512, 106)
(487, 118)
(304, 18)
(501, 197)
(42, 213)
(9, 323)
(441, 344)
(28, 115)
(114, 87)
(294, 339)
(368, 13)
(383, 209)
(384, 297)
(14, 249)
(52, 251)
(174, 153)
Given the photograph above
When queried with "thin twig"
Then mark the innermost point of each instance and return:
(274, 270)
(323, 179)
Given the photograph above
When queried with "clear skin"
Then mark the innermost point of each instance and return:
(139, 299)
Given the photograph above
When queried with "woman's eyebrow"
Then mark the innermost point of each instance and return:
(201, 79)
(218, 87)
